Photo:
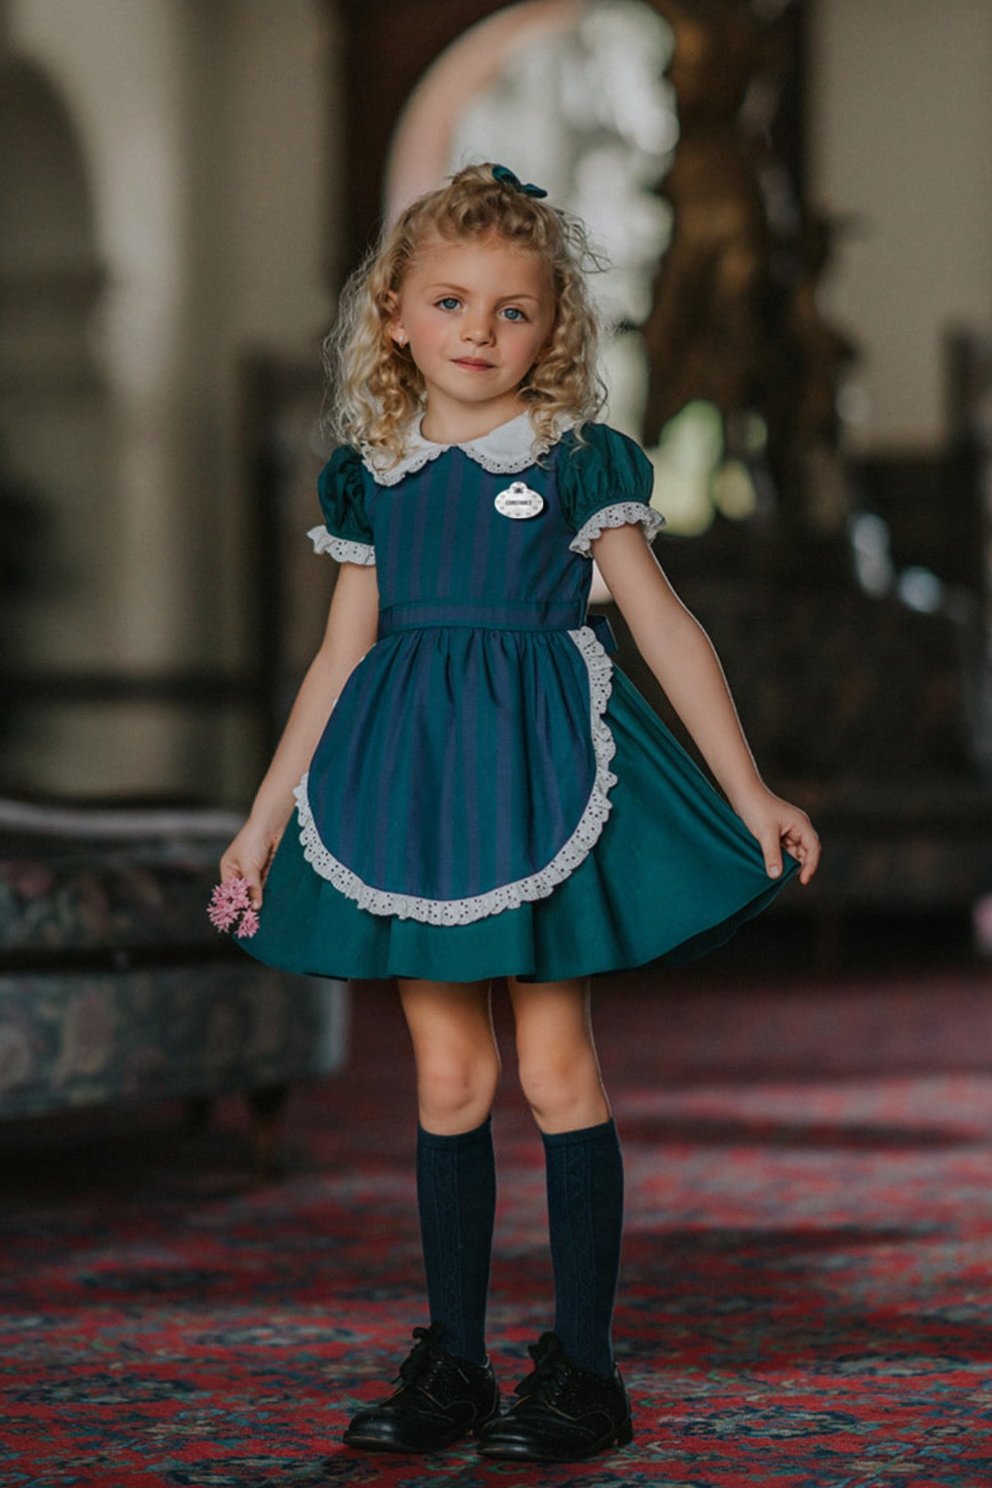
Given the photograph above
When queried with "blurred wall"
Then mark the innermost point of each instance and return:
(203, 129)
(206, 133)
(901, 134)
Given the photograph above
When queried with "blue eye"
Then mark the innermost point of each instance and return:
(448, 302)
(513, 313)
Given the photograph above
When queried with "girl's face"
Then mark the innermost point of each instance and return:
(475, 316)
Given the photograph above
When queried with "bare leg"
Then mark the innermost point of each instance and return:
(454, 1046)
(559, 1066)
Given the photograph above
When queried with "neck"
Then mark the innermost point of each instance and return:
(445, 424)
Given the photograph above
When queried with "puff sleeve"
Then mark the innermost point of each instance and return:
(607, 482)
(347, 534)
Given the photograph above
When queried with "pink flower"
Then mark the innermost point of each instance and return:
(249, 924)
(235, 893)
(220, 913)
(240, 893)
(227, 902)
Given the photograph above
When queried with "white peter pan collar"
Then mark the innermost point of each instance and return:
(505, 450)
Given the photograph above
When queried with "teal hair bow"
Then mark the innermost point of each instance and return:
(506, 177)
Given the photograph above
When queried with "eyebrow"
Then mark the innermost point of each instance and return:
(458, 289)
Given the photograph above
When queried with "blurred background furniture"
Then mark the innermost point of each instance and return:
(114, 986)
(858, 707)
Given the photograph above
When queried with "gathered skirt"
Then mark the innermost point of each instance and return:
(673, 874)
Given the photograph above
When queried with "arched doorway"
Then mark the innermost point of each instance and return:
(56, 468)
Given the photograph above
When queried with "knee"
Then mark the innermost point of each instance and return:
(456, 1088)
(556, 1084)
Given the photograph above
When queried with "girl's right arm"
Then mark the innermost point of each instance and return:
(352, 624)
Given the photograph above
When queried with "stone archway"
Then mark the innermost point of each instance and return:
(55, 446)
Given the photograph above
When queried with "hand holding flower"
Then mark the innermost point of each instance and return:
(230, 903)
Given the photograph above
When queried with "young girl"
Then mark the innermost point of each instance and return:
(490, 796)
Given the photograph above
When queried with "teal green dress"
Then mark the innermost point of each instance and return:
(491, 795)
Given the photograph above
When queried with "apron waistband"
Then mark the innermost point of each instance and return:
(503, 615)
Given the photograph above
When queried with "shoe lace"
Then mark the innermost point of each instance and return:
(423, 1359)
(551, 1369)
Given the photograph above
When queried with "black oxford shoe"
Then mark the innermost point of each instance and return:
(440, 1399)
(561, 1412)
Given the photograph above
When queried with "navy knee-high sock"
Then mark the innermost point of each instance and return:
(585, 1218)
(456, 1194)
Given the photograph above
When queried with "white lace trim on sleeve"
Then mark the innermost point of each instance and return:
(508, 896)
(341, 548)
(618, 515)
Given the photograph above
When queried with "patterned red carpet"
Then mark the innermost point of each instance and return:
(808, 1269)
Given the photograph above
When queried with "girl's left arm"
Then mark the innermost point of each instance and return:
(681, 656)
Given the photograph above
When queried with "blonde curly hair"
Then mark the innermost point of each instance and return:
(375, 387)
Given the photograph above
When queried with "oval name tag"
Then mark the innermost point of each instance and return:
(519, 501)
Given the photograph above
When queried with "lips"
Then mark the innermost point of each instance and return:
(473, 364)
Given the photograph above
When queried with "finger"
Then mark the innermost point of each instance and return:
(811, 860)
(771, 848)
(254, 880)
(804, 844)
(258, 883)
(231, 868)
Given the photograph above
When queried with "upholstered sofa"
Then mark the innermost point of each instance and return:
(114, 987)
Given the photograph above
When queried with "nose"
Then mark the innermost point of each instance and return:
(478, 328)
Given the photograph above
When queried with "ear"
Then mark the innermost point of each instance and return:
(394, 324)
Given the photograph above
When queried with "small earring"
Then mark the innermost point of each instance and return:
(400, 338)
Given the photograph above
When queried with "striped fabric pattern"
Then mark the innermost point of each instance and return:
(461, 756)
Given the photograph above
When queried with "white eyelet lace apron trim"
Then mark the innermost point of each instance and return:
(617, 515)
(341, 548)
(509, 896)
